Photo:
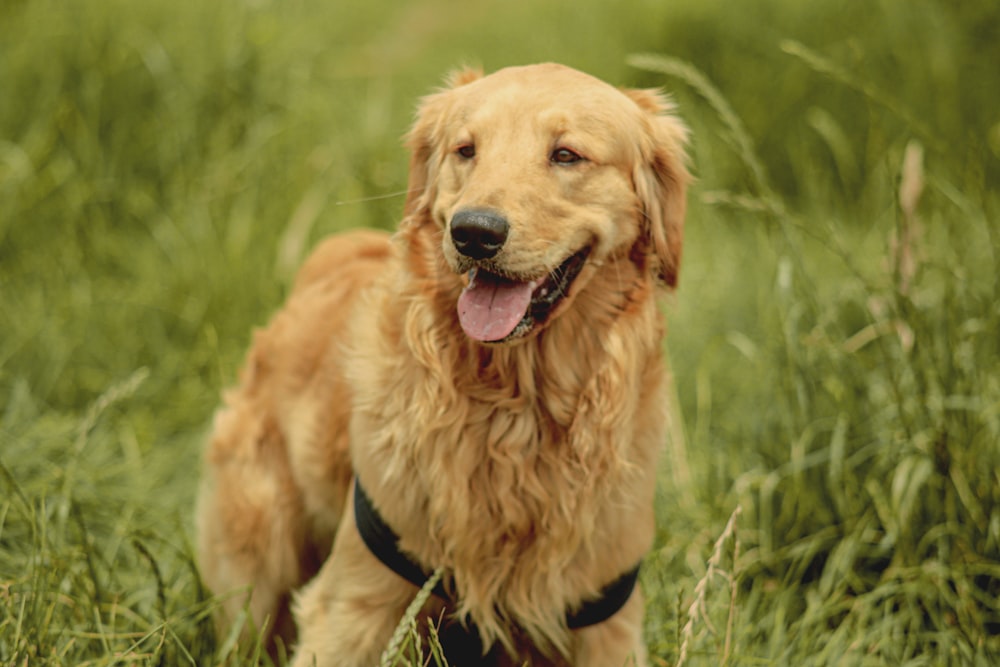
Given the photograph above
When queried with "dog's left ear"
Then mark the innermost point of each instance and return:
(424, 141)
(661, 178)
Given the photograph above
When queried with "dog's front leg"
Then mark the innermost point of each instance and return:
(347, 614)
(616, 642)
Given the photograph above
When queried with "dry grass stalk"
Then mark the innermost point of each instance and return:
(699, 606)
(911, 186)
(407, 624)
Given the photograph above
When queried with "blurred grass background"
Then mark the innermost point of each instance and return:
(165, 165)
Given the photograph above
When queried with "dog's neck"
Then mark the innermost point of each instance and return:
(603, 353)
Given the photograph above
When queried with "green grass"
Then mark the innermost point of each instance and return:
(165, 165)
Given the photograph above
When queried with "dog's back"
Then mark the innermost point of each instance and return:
(255, 524)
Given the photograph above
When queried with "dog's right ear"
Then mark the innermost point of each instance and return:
(425, 141)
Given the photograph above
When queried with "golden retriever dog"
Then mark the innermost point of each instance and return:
(482, 392)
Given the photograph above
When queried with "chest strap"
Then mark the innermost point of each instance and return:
(383, 542)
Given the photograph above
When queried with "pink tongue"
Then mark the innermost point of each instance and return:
(491, 306)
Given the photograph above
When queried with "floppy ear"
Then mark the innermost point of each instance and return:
(425, 139)
(661, 178)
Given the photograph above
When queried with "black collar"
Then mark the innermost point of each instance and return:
(383, 542)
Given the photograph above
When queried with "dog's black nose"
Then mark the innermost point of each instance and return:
(478, 233)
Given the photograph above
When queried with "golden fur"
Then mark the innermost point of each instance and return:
(525, 468)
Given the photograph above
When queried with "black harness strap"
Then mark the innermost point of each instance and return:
(613, 598)
(383, 542)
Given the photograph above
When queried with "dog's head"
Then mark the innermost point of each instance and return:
(536, 174)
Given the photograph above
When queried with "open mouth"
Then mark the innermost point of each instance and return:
(495, 308)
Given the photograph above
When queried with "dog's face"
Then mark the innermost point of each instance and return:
(539, 176)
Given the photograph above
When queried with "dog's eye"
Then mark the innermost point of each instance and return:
(564, 156)
(467, 151)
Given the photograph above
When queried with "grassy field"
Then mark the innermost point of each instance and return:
(832, 494)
